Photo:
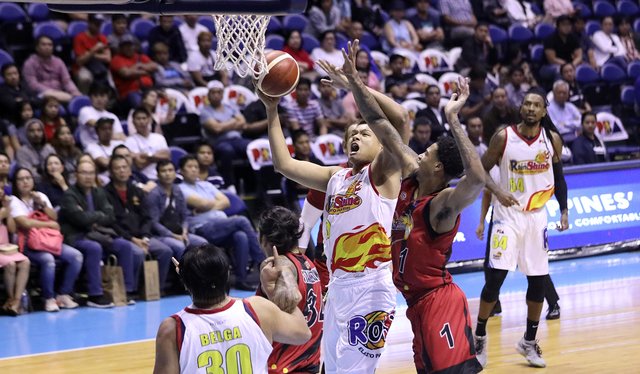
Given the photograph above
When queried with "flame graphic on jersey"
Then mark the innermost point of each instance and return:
(354, 252)
(538, 199)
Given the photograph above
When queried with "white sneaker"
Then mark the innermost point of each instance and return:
(50, 305)
(481, 343)
(66, 302)
(532, 352)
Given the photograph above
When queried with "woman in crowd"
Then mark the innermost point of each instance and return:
(65, 145)
(293, 45)
(54, 180)
(51, 117)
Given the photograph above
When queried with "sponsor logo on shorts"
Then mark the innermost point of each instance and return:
(370, 331)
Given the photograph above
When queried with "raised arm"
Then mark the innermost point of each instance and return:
(446, 207)
(303, 172)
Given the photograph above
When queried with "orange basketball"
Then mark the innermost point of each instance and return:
(282, 74)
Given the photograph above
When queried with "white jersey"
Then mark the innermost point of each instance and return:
(526, 168)
(356, 225)
(226, 340)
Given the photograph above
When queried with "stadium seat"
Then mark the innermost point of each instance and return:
(433, 60)
(274, 41)
(238, 96)
(341, 39)
(77, 103)
(498, 34)
(106, 28)
(537, 53)
(5, 57)
(236, 204)
(328, 149)
(140, 27)
(628, 8)
(295, 22)
(592, 26)
(76, 27)
(586, 75)
(176, 154)
(544, 30)
(448, 82)
(585, 11)
(636, 25)
(50, 29)
(426, 79)
(609, 128)
(309, 42)
(612, 74)
(274, 26)
(182, 102)
(520, 34)
(207, 21)
(410, 59)
(633, 70)
(38, 12)
(259, 154)
(198, 97)
(12, 12)
(603, 9)
(628, 96)
(412, 107)
(370, 41)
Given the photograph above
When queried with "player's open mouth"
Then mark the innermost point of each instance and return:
(354, 148)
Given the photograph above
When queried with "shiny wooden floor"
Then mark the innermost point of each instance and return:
(599, 331)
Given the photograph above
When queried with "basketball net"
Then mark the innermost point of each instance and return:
(241, 43)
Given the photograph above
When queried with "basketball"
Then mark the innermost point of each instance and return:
(282, 74)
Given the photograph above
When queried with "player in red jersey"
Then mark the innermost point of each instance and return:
(279, 227)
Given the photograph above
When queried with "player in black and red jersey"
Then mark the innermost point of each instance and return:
(280, 228)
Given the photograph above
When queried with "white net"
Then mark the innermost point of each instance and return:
(241, 43)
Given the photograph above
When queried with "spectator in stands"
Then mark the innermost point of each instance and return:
(5, 167)
(137, 178)
(6, 138)
(494, 12)
(474, 133)
(133, 221)
(629, 39)
(327, 51)
(293, 45)
(24, 202)
(207, 166)
(608, 48)
(502, 113)
(520, 12)
(324, 16)
(580, 31)
(459, 18)
(92, 55)
(366, 63)
(372, 20)
(213, 224)
(132, 72)
(306, 113)
(404, 82)
(89, 115)
(421, 138)
(168, 33)
(148, 148)
(568, 74)
(190, 30)
(160, 116)
(119, 30)
(302, 151)
(170, 74)
(13, 92)
(255, 115)
(433, 112)
(65, 146)
(561, 48)
(51, 117)
(87, 218)
(333, 111)
(564, 115)
(54, 180)
(427, 26)
(223, 125)
(478, 51)
(398, 31)
(588, 148)
(168, 210)
(47, 74)
(479, 94)
(26, 115)
(555, 9)
(201, 61)
(31, 155)
(101, 150)
(517, 87)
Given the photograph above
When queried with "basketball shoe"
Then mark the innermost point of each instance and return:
(530, 350)
(481, 343)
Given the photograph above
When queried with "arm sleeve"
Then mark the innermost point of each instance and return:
(308, 218)
(560, 185)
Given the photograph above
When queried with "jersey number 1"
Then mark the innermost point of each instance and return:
(446, 332)
(237, 357)
(403, 259)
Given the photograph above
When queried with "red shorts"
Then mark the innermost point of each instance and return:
(442, 335)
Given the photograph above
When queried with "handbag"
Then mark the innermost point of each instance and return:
(42, 238)
(171, 218)
(113, 281)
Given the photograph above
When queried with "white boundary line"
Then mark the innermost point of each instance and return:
(74, 349)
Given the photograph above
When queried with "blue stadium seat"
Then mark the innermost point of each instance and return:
(628, 8)
(38, 12)
(274, 25)
(11, 12)
(5, 57)
(544, 30)
(592, 26)
(207, 21)
(603, 9)
(295, 22)
(520, 34)
(50, 29)
(140, 27)
(76, 27)
(370, 41)
(585, 75)
(341, 39)
(498, 34)
(309, 42)
(536, 9)
(274, 41)
(236, 204)
(106, 28)
(77, 103)
(628, 96)
(176, 154)
(636, 25)
(612, 74)
(585, 11)
(537, 53)
(633, 70)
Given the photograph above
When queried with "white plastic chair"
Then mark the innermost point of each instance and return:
(198, 98)
(433, 60)
(448, 82)
(328, 149)
(238, 96)
(609, 128)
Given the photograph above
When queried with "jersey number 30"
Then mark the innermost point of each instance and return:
(237, 358)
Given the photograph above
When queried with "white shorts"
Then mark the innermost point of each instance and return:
(358, 314)
(519, 238)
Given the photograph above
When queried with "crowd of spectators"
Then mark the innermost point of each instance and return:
(103, 173)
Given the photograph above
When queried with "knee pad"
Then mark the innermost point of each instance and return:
(535, 291)
(491, 289)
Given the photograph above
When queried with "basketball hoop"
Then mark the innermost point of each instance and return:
(241, 43)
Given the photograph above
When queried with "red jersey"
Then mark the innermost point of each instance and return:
(419, 253)
(303, 358)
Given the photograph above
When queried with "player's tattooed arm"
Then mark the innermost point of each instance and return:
(278, 279)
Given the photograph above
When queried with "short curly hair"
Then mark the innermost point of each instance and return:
(449, 155)
(280, 227)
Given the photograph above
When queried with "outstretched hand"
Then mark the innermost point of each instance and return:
(336, 78)
(268, 101)
(349, 66)
(459, 98)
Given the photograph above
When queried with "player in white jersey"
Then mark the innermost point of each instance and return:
(528, 157)
(357, 223)
(218, 333)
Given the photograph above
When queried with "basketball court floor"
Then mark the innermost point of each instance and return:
(599, 330)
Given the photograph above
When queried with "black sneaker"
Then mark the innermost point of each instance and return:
(497, 309)
(553, 312)
(100, 301)
(131, 298)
